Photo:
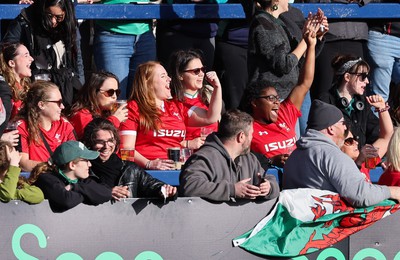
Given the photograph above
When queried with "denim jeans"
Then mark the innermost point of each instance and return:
(122, 53)
(301, 124)
(384, 54)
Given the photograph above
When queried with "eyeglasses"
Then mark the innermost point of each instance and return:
(271, 98)
(58, 102)
(59, 17)
(197, 70)
(350, 141)
(110, 92)
(363, 75)
(110, 142)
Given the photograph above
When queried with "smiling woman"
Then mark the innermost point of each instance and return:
(156, 123)
(42, 128)
(98, 98)
(48, 29)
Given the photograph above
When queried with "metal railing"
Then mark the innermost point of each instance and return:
(207, 11)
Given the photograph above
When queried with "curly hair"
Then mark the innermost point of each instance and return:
(87, 97)
(178, 63)
(8, 52)
(143, 94)
(252, 92)
(30, 112)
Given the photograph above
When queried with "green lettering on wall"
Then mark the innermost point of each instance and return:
(16, 239)
(331, 252)
(148, 255)
(69, 256)
(109, 256)
(369, 252)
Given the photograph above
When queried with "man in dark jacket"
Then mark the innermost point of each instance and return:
(224, 168)
(125, 178)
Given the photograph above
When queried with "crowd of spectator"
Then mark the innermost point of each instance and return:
(69, 132)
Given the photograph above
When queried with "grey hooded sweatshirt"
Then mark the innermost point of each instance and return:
(319, 163)
(211, 173)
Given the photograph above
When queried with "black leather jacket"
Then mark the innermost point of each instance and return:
(139, 182)
(363, 123)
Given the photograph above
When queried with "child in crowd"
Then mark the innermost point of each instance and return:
(98, 98)
(66, 183)
(10, 187)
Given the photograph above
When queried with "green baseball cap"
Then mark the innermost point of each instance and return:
(70, 151)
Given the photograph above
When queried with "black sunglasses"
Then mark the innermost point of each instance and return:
(350, 141)
(197, 70)
(110, 92)
(363, 75)
(271, 98)
(58, 102)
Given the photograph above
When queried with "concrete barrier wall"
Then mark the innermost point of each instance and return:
(188, 228)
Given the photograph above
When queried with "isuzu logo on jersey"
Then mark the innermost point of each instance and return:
(167, 132)
(280, 145)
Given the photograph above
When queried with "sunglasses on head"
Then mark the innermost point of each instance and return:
(363, 75)
(196, 71)
(350, 141)
(110, 92)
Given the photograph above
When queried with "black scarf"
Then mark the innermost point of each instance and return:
(109, 171)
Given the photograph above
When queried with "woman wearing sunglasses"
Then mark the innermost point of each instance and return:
(98, 98)
(348, 94)
(42, 127)
(188, 86)
(376, 149)
(156, 123)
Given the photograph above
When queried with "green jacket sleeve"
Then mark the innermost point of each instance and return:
(30, 194)
(9, 184)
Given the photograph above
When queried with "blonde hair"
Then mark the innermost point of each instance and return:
(143, 94)
(393, 153)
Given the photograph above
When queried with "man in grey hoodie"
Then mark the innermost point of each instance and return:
(319, 163)
(224, 169)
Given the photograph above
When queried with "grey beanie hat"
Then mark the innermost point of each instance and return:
(323, 115)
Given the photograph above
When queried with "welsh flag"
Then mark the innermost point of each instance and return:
(306, 220)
